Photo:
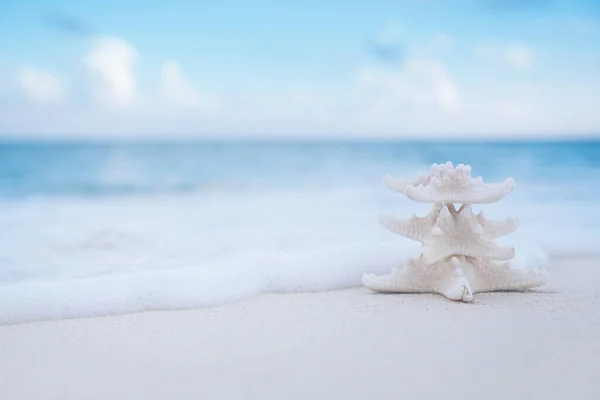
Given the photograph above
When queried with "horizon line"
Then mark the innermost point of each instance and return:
(553, 137)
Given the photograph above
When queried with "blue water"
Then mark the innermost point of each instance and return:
(105, 228)
(100, 169)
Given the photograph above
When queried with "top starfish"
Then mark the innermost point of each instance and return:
(446, 184)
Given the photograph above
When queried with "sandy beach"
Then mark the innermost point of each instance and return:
(349, 344)
(214, 199)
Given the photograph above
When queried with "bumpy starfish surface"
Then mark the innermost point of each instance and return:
(448, 234)
(495, 229)
(446, 184)
(458, 256)
(457, 278)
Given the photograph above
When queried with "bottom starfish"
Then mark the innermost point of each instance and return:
(457, 278)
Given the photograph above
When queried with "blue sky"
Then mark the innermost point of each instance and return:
(326, 68)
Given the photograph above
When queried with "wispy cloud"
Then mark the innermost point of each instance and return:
(39, 85)
(389, 46)
(516, 55)
(178, 91)
(175, 87)
(65, 23)
(112, 59)
(420, 83)
(415, 82)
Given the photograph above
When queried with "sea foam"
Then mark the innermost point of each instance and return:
(104, 229)
(66, 258)
(221, 283)
(186, 288)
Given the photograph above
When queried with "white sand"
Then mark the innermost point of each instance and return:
(349, 344)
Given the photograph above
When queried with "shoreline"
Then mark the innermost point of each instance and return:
(348, 343)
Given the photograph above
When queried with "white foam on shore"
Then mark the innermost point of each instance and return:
(65, 258)
(331, 268)
(216, 284)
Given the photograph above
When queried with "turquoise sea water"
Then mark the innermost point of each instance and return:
(101, 169)
(104, 228)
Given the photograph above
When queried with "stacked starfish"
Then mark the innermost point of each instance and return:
(458, 256)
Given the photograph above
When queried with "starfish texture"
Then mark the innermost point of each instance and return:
(458, 256)
(495, 229)
(446, 184)
(448, 234)
(457, 279)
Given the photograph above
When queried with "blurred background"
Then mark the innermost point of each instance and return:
(304, 69)
(143, 136)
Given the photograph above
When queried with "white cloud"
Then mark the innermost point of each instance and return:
(299, 104)
(420, 82)
(39, 85)
(175, 87)
(179, 92)
(416, 96)
(444, 89)
(433, 46)
(517, 55)
(112, 59)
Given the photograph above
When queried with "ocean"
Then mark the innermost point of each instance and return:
(93, 229)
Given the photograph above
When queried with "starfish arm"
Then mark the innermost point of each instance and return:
(459, 236)
(410, 228)
(423, 194)
(483, 194)
(496, 276)
(437, 251)
(445, 278)
(485, 249)
(397, 185)
(496, 229)
(406, 280)
(415, 228)
(491, 192)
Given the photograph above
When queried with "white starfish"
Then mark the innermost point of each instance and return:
(489, 276)
(446, 184)
(399, 185)
(456, 278)
(495, 229)
(458, 257)
(416, 228)
(444, 233)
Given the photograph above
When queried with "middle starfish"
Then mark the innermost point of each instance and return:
(445, 232)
